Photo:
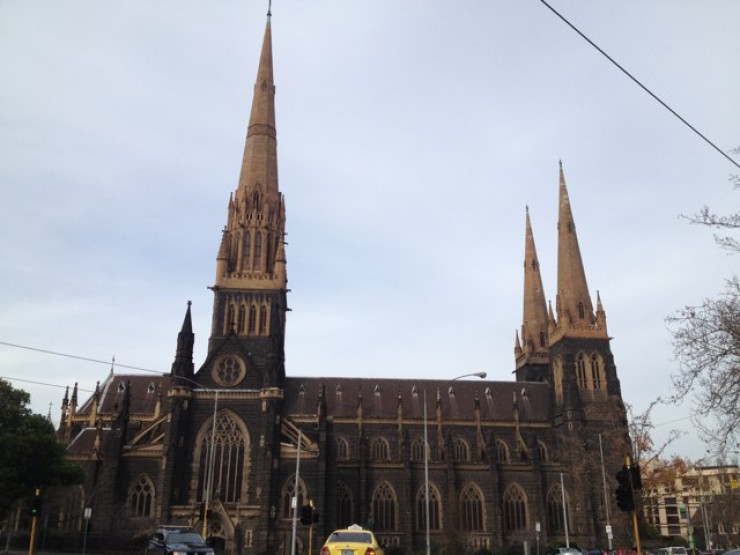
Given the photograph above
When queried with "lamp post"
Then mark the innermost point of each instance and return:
(480, 375)
(211, 455)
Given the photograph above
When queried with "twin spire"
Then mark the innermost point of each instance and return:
(574, 315)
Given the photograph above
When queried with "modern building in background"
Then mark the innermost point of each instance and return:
(507, 461)
(702, 505)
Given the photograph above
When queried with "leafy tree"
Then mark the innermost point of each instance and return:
(706, 342)
(30, 454)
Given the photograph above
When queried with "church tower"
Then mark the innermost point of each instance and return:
(250, 288)
(583, 371)
(531, 352)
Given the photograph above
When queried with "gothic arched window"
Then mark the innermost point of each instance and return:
(263, 319)
(435, 509)
(345, 510)
(461, 450)
(229, 318)
(289, 491)
(417, 450)
(384, 505)
(581, 371)
(252, 319)
(515, 509)
(141, 497)
(240, 321)
(246, 247)
(543, 451)
(257, 248)
(229, 458)
(581, 311)
(380, 449)
(596, 371)
(502, 451)
(555, 520)
(256, 205)
(342, 449)
(471, 509)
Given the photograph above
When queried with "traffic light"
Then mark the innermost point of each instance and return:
(316, 516)
(35, 509)
(636, 479)
(306, 514)
(625, 498)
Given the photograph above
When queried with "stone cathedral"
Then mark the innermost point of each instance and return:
(508, 461)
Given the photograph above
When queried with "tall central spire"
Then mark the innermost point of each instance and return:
(259, 164)
(251, 253)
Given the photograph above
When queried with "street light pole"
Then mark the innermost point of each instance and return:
(480, 375)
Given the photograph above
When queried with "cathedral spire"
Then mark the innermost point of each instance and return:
(573, 306)
(534, 315)
(259, 164)
(183, 363)
(255, 223)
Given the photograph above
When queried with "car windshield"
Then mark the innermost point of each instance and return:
(357, 537)
(185, 537)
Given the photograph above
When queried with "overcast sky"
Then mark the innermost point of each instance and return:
(411, 136)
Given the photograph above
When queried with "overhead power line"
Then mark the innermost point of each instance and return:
(643, 87)
(77, 357)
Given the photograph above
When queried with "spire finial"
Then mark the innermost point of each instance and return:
(269, 8)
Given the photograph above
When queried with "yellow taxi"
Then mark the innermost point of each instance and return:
(352, 541)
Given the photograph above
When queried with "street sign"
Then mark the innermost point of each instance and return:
(608, 529)
(88, 513)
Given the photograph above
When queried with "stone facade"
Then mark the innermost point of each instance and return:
(502, 457)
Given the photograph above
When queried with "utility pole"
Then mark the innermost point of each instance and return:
(295, 491)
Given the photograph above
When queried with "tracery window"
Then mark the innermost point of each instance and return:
(471, 509)
(289, 491)
(555, 520)
(379, 449)
(596, 371)
(385, 508)
(515, 509)
(581, 371)
(229, 458)
(342, 449)
(435, 509)
(141, 497)
(502, 451)
(417, 450)
(461, 450)
(344, 506)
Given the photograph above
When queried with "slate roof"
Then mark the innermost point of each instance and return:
(144, 393)
(380, 398)
(84, 441)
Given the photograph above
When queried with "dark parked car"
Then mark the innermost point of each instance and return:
(177, 540)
